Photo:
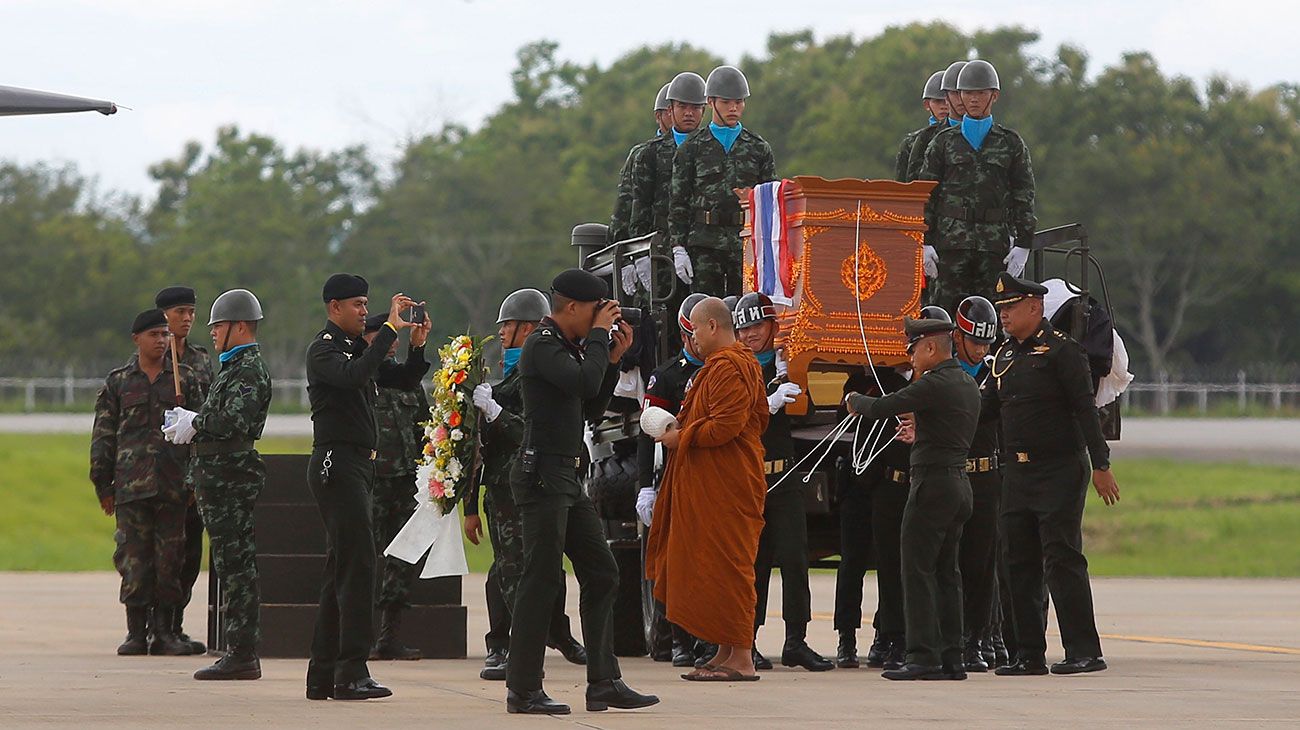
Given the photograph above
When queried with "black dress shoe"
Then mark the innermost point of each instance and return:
(761, 662)
(1081, 665)
(365, 688)
(987, 652)
(879, 649)
(914, 671)
(683, 656)
(533, 703)
(571, 650)
(802, 655)
(704, 653)
(615, 693)
(1023, 668)
(496, 673)
(896, 657)
(319, 692)
(495, 657)
(234, 664)
(973, 659)
(846, 655)
(952, 670)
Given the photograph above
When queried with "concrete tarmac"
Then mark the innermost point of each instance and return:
(1182, 652)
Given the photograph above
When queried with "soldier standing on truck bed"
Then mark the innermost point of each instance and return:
(935, 102)
(622, 215)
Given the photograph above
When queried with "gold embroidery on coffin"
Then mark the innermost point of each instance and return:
(869, 215)
(869, 276)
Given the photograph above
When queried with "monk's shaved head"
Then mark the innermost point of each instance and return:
(711, 319)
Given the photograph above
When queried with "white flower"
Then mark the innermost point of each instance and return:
(457, 434)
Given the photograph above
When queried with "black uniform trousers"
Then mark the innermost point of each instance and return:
(498, 635)
(560, 520)
(1042, 517)
(937, 506)
(979, 551)
(193, 553)
(345, 619)
(855, 552)
(888, 500)
(784, 543)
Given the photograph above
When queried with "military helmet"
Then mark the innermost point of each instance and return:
(934, 87)
(950, 76)
(976, 76)
(524, 305)
(686, 87)
(726, 82)
(236, 305)
(661, 99)
(935, 312)
(684, 312)
(977, 319)
(753, 308)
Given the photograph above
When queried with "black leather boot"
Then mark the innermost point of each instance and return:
(570, 649)
(1001, 657)
(164, 642)
(973, 659)
(879, 649)
(615, 693)
(536, 702)
(388, 646)
(238, 663)
(896, 657)
(846, 656)
(137, 632)
(178, 619)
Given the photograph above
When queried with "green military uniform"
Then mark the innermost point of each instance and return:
(704, 214)
(652, 187)
(398, 415)
(905, 154)
(200, 364)
(227, 475)
(982, 196)
(620, 220)
(921, 143)
(946, 404)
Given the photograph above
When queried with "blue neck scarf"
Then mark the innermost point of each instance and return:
(766, 357)
(691, 358)
(952, 122)
(509, 359)
(680, 137)
(971, 370)
(225, 356)
(726, 136)
(933, 121)
(975, 130)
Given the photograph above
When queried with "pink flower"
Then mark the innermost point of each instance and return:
(440, 434)
(437, 489)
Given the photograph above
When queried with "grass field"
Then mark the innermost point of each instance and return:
(1176, 519)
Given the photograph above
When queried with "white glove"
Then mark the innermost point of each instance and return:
(629, 279)
(645, 504)
(930, 261)
(782, 367)
(682, 263)
(643, 272)
(785, 393)
(181, 431)
(1016, 260)
(483, 401)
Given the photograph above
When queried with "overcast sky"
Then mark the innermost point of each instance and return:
(326, 73)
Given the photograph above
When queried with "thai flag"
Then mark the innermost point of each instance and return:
(773, 262)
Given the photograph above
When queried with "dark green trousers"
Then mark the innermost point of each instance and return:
(937, 506)
(784, 543)
(502, 583)
(888, 501)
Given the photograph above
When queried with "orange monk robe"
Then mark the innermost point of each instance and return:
(709, 513)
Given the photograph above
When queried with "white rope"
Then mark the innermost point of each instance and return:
(828, 442)
(859, 465)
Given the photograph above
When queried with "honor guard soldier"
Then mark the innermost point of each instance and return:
(227, 473)
(945, 406)
(666, 389)
(177, 304)
(622, 216)
(784, 540)
(985, 192)
(564, 383)
(139, 480)
(956, 109)
(1042, 393)
(704, 215)
(344, 373)
(502, 433)
(936, 103)
(398, 415)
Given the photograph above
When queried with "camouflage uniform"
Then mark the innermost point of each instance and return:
(229, 481)
(983, 196)
(398, 415)
(132, 462)
(905, 154)
(652, 187)
(916, 155)
(704, 213)
(621, 219)
(200, 362)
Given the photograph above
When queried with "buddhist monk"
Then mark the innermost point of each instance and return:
(709, 514)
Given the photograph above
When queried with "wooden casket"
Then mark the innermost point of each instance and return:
(856, 249)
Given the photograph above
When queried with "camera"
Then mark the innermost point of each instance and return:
(417, 314)
(631, 315)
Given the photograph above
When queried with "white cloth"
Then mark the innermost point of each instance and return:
(783, 395)
(645, 504)
(630, 385)
(682, 263)
(643, 272)
(182, 430)
(628, 274)
(930, 261)
(782, 367)
(430, 531)
(1015, 260)
(484, 402)
(1058, 293)
(655, 421)
(1117, 380)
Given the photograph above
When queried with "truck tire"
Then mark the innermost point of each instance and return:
(612, 486)
(629, 628)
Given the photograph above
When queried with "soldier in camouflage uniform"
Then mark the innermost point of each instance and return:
(621, 219)
(138, 479)
(177, 304)
(227, 473)
(503, 431)
(704, 215)
(936, 103)
(985, 191)
(399, 411)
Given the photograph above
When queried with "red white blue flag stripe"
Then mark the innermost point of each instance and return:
(773, 262)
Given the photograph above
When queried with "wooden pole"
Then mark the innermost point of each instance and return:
(176, 372)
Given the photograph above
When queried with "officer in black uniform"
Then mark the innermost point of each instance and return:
(666, 389)
(945, 407)
(569, 368)
(1042, 392)
(784, 540)
(343, 376)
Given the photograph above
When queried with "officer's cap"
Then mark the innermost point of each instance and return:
(918, 329)
(1010, 289)
(375, 321)
(344, 286)
(175, 296)
(580, 286)
(147, 320)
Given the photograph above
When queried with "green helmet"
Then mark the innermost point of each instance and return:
(934, 87)
(236, 305)
(977, 76)
(726, 82)
(686, 87)
(524, 305)
(661, 99)
(950, 76)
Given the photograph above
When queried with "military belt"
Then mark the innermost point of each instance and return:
(972, 215)
(776, 466)
(362, 451)
(213, 448)
(981, 465)
(719, 218)
(897, 476)
(1039, 455)
(561, 460)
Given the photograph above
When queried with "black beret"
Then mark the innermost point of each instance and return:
(174, 296)
(915, 329)
(1010, 289)
(344, 286)
(580, 286)
(375, 321)
(147, 320)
